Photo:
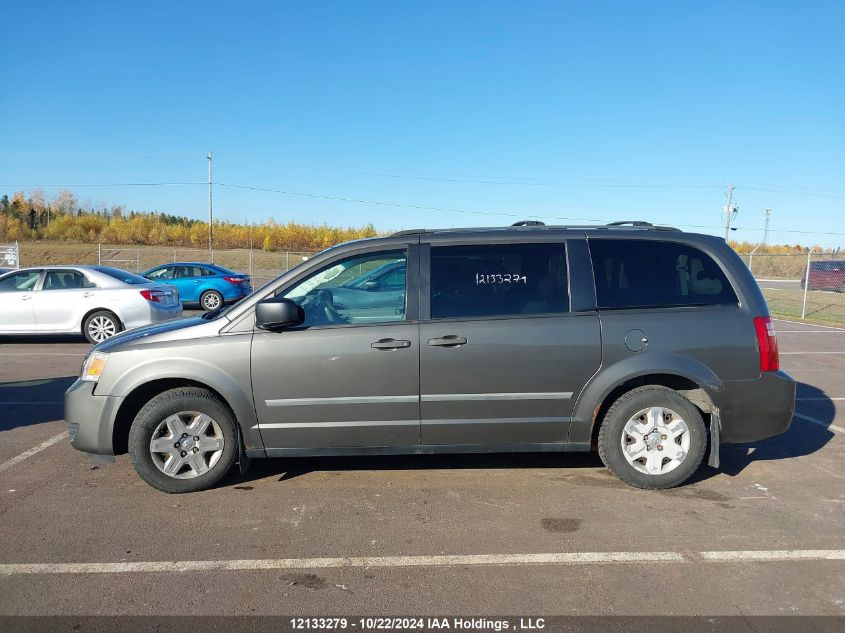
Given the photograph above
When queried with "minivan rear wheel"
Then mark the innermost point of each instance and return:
(183, 440)
(652, 437)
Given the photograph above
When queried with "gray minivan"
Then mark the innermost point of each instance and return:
(643, 342)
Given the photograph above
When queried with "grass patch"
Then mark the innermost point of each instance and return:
(822, 307)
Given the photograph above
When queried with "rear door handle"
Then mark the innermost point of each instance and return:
(26, 298)
(87, 294)
(390, 343)
(447, 341)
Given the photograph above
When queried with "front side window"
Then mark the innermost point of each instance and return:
(162, 273)
(498, 280)
(65, 280)
(651, 273)
(20, 282)
(334, 296)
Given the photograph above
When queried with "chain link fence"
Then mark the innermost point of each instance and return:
(10, 255)
(807, 286)
(261, 266)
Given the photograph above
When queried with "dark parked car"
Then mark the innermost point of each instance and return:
(643, 342)
(826, 275)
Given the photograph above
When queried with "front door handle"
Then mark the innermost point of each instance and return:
(87, 294)
(26, 298)
(447, 341)
(390, 343)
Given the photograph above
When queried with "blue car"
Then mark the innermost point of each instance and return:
(209, 285)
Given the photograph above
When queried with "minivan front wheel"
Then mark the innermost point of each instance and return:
(183, 440)
(652, 437)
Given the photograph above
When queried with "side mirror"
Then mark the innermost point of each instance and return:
(276, 313)
(371, 285)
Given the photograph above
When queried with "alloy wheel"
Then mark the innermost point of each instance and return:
(211, 301)
(102, 327)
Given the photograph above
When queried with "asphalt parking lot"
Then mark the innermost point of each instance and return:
(512, 534)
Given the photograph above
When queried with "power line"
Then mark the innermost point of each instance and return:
(397, 204)
(111, 184)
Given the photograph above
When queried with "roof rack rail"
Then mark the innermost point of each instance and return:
(631, 222)
(639, 224)
(529, 223)
(409, 232)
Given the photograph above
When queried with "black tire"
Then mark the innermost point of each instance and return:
(167, 404)
(90, 326)
(211, 300)
(626, 407)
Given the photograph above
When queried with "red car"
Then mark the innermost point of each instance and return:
(829, 275)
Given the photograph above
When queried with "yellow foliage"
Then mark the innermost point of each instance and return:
(151, 229)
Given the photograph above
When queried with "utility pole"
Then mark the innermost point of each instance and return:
(768, 213)
(210, 209)
(731, 210)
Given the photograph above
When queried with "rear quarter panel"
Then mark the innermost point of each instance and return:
(714, 346)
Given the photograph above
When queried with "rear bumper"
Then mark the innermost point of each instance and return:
(90, 418)
(759, 408)
(236, 292)
(151, 313)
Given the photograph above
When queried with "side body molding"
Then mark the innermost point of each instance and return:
(612, 376)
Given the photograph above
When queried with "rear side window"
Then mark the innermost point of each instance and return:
(65, 280)
(498, 280)
(650, 273)
(121, 275)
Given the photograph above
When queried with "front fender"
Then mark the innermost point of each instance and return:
(609, 378)
(228, 378)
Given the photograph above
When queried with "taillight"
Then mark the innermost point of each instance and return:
(153, 295)
(767, 343)
(235, 280)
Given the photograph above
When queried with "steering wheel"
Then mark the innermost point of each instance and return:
(320, 309)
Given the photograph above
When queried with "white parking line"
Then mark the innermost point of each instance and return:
(563, 558)
(811, 331)
(799, 353)
(43, 354)
(32, 451)
(832, 427)
(774, 555)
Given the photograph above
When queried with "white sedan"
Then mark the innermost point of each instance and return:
(96, 301)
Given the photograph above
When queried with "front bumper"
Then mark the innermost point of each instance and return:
(759, 408)
(90, 418)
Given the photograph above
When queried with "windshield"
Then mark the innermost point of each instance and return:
(121, 275)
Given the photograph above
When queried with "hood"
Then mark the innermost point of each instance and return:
(158, 332)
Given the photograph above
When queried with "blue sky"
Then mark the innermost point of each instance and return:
(459, 113)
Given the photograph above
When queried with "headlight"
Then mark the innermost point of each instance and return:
(93, 366)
